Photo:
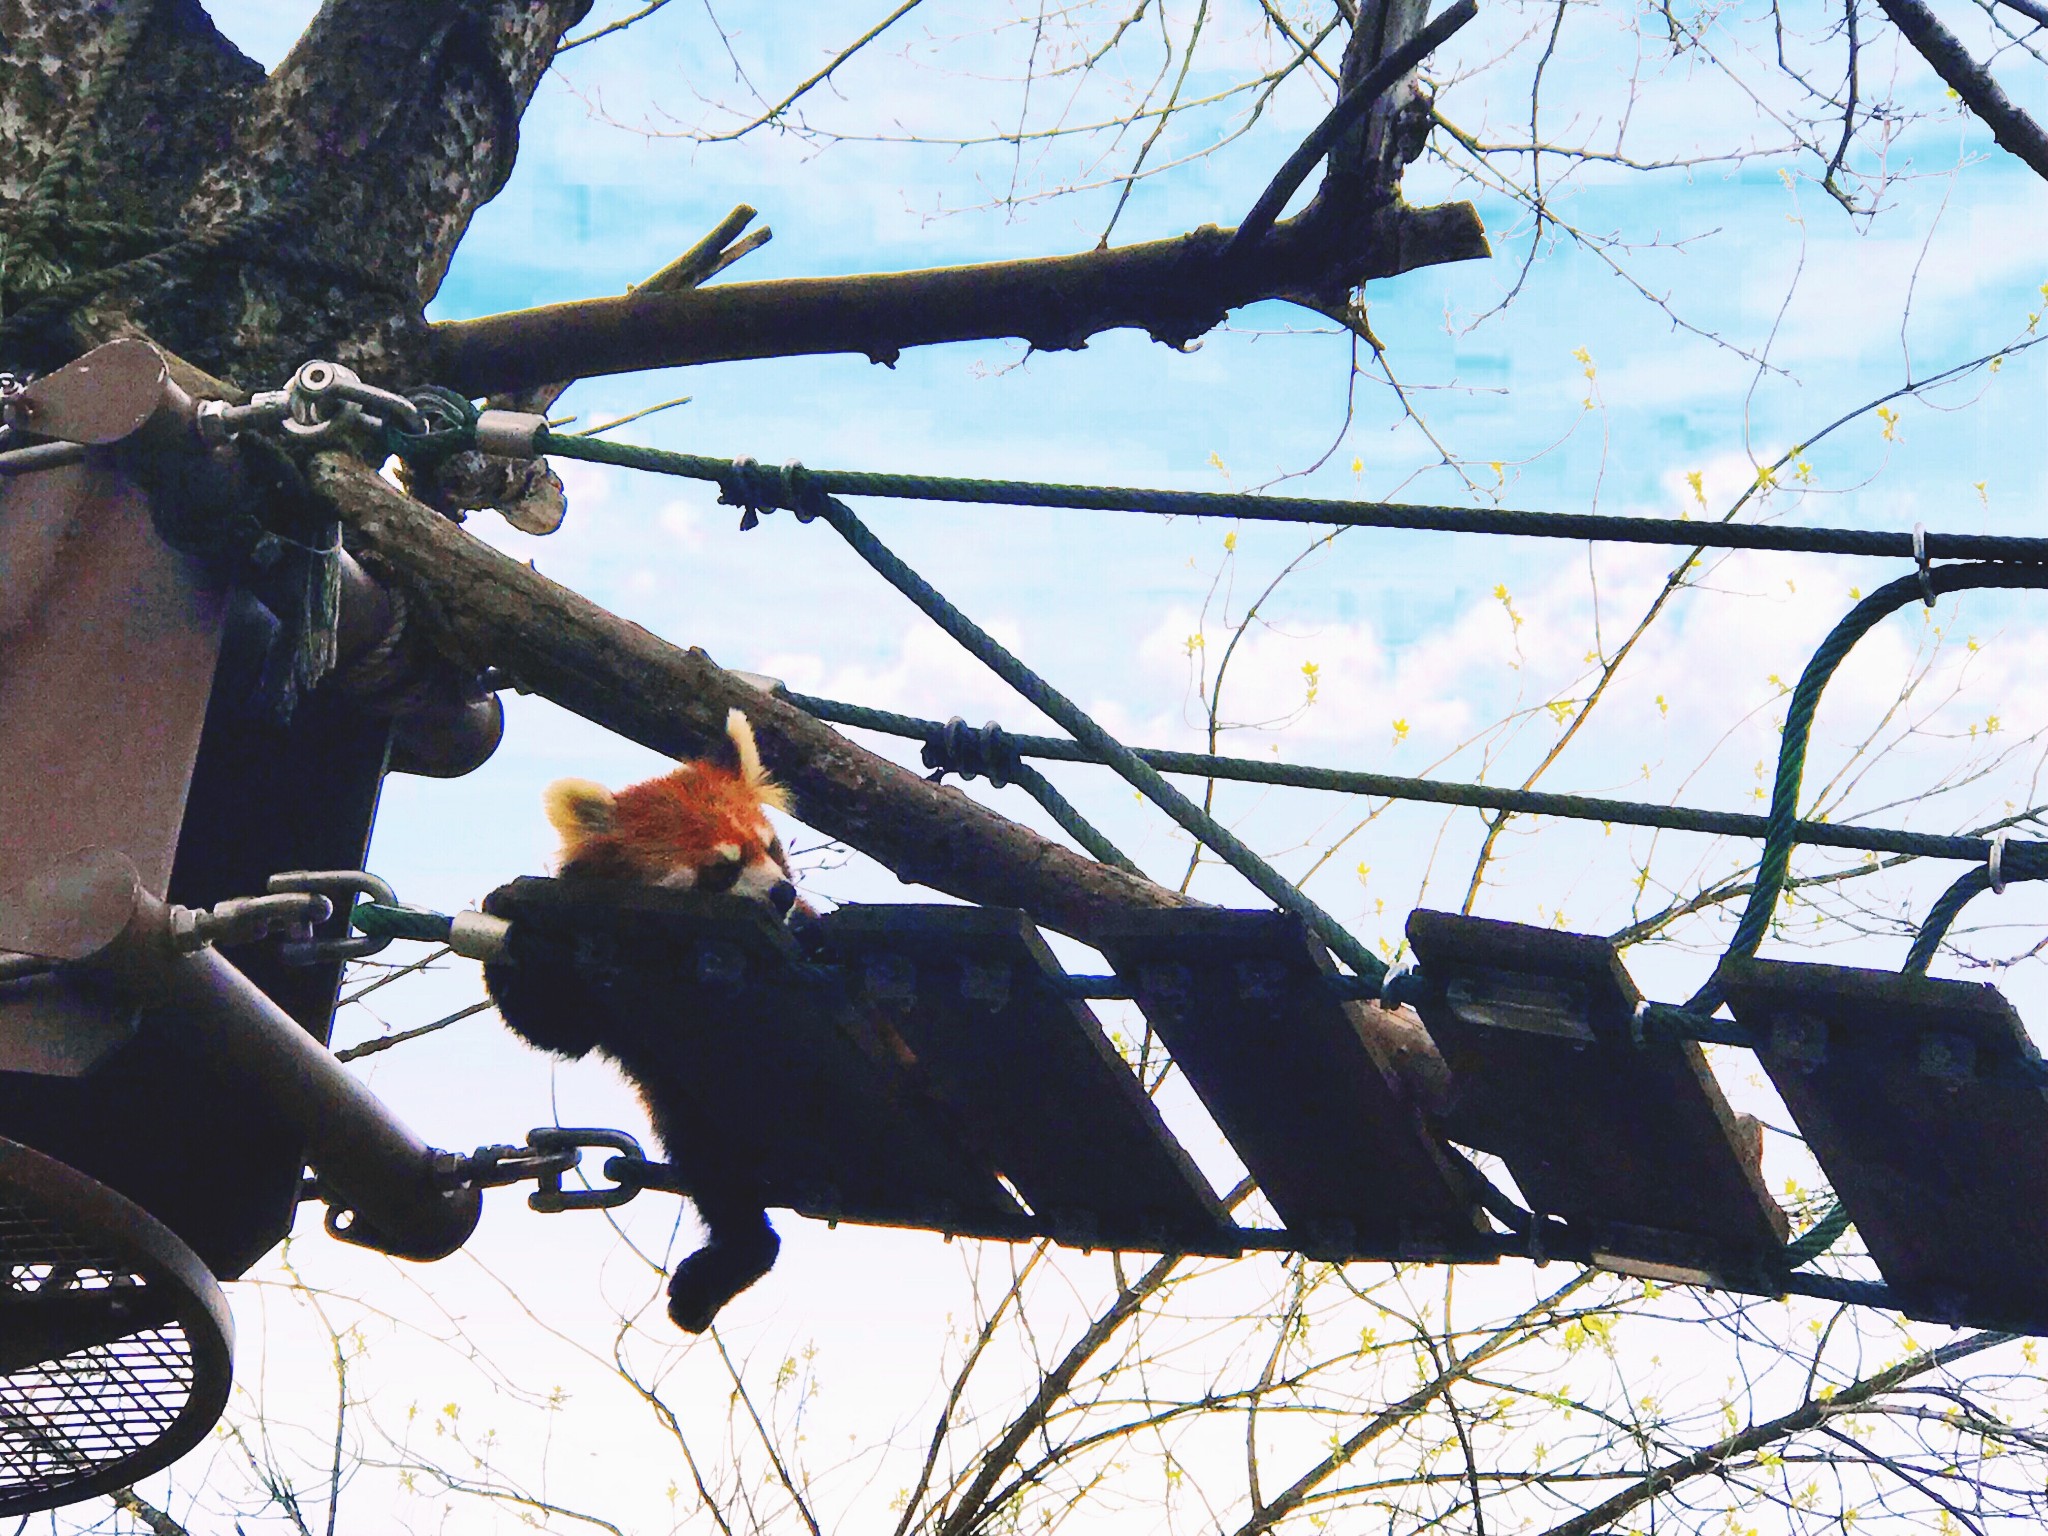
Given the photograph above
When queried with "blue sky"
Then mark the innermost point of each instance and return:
(1422, 642)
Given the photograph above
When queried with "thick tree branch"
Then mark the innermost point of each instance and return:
(487, 608)
(1173, 289)
(2016, 132)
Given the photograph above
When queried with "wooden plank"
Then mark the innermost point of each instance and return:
(786, 1080)
(1296, 1082)
(1923, 1102)
(973, 992)
(1632, 1145)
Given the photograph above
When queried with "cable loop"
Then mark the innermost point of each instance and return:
(449, 427)
(1920, 559)
(988, 753)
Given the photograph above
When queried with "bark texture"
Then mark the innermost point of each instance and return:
(485, 608)
(331, 194)
(1175, 290)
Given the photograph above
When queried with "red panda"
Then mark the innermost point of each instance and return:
(701, 827)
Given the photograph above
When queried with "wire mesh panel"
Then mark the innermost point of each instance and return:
(114, 1339)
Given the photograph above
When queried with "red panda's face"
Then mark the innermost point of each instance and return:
(702, 827)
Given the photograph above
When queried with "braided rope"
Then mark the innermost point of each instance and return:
(1140, 774)
(47, 194)
(1491, 797)
(761, 489)
(1783, 821)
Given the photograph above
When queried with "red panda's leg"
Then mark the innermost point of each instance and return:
(739, 1248)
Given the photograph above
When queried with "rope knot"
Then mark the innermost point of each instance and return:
(757, 488)
(957, 747)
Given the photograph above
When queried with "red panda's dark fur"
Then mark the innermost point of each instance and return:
(700, 826)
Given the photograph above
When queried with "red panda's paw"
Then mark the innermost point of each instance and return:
(727, 1264)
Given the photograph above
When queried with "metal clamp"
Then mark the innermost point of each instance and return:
(551, 1197)
(342, 886)
(1920, 559)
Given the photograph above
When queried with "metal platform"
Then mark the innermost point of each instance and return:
(812, 1095)
(115, 1344)
(974, 993)
(1295, 1080)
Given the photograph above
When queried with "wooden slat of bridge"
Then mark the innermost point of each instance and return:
(973, 992)
(788, 1080)
(1292, 1077)
(1634, 1146)
(1914, 1095)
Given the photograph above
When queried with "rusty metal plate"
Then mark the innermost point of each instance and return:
(1633, 1146)
(1295, 1082)
(785, 1081)
(1029, 1075)
(107, 647)
(1923, 1102)
(71, 909)
(105, 396)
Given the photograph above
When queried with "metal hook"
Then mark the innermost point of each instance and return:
(1920, 559)
(1995, 864)
(342, 886)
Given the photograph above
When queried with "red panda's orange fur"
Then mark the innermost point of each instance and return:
(698, 816)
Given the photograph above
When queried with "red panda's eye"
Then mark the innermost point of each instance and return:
(720, 876)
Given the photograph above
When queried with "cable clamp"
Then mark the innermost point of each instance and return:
(1995, 864)
(756, 489)
(1920, 559)
(956, 747)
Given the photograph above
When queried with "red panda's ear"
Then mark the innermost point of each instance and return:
(579, 810)
(739, 730)
(746, 762)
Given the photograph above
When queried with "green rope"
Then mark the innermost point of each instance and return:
(400, 922)
(27, 229)
(205, 245)
(1818, 1238)
(761, 488)
(1942, 915)
(1135, 771)
(1776, 861)
(1351, 781)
